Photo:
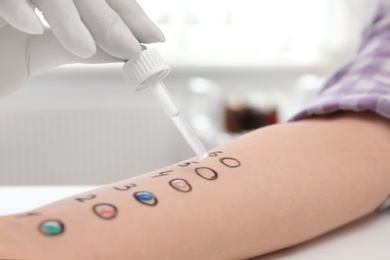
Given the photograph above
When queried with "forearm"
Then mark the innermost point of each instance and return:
(270, 189)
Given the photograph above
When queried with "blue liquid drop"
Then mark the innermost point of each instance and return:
(144, 196)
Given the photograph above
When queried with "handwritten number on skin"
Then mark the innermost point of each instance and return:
(126, 187)
(214, 154)
(87, 197)
(164, 173)
(28, 214)
(185, 164)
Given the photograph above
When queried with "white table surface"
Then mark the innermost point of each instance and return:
(366, 239)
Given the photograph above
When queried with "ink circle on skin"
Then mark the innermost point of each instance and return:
(180, 185)
(51, 227)
(146, 198)
(230, 162)
(206, 173)
(105, 211)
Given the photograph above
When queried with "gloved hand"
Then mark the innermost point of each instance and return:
(81, 31)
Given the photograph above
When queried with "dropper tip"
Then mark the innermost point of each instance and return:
(203, 156)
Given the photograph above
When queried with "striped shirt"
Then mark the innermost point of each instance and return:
(363, 84)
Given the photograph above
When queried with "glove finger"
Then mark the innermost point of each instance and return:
(2, 22)
(21, 15)
(107, 28)
(64, 20)
(45, 52)
(143, 28)
(13, 72)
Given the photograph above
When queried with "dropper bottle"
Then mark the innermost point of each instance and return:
(147, 72)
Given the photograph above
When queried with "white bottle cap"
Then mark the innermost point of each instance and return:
(148, 64)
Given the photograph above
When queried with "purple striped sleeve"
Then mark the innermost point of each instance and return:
(363, 84)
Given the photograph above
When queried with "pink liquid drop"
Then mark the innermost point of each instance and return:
(106, 211)
(181, 185)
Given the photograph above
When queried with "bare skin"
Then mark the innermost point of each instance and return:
(270, 189)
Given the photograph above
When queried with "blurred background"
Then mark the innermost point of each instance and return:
(236, 65)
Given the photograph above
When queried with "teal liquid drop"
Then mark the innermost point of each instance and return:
(52, 227)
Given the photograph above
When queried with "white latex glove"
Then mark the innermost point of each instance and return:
(81, 31)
